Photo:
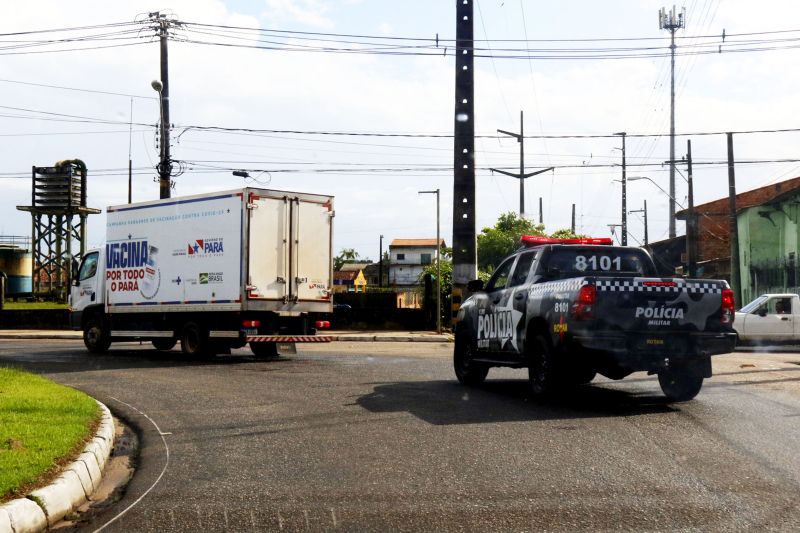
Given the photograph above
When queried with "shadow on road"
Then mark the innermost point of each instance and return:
(78, 360)
(448, 402)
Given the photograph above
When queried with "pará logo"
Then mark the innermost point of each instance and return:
(205, 247)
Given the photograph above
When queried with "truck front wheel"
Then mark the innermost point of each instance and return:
(680, 384)
(164, 344)
(542, 372)
(96, 335)
(467, 371)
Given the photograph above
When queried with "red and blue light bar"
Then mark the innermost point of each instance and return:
(537, 240)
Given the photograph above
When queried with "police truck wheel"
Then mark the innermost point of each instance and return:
(542, 373)
(164, 344)
(264, 350)
(96, 335)
(194, 341)
(467, 370)
(680, 384)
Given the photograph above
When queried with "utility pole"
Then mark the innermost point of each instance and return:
(691, 226)
(644, 212)
(522, 175)
(130, 161)
(380, 262)
(465, 257)
(734, 226)
(573, 219)
(541, 215)
(624, 229)
(438, 265)
(671, 22)
(162, 87)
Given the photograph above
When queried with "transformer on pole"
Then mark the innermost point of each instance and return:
(58, 196)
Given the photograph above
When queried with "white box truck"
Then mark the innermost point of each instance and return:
(213, 271)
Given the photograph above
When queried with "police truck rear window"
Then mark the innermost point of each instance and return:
(574, 262)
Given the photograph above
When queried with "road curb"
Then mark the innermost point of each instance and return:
(44, 507)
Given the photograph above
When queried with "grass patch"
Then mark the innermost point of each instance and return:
(43, 425)
(32, 306)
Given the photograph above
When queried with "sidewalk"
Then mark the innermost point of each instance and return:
(344, 336)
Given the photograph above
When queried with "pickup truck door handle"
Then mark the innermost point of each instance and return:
(785, 318)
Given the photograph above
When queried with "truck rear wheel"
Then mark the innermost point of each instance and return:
(467, 370)
(680, 384)
(542, 372)
(264, 350)
(194, 341)
(164, 344)
(96, 335)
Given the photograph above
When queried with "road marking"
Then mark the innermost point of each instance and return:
(163, 471)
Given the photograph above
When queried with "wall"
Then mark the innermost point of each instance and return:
(768, 247)
(406, 271)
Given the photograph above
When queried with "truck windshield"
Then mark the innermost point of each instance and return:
(755, 304)
(571, 262)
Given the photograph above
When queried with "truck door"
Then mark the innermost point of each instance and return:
(495, 323)
(772, 321)
(311, 260)
(87, 291)
(268, 265)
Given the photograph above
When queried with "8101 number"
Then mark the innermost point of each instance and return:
(592, 262)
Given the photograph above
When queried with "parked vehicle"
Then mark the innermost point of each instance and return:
(215, 271)
(567, 309)
(769, 319)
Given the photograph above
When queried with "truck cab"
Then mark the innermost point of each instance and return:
(87, 287)
(770, 318)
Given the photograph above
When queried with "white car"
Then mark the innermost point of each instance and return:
(769, 319)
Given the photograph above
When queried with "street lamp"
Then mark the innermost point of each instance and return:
(164, 170)
(438, 266)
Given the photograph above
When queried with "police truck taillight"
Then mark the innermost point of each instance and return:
(583, 308)
(728, 307)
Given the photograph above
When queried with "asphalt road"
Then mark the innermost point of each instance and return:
(380, 436)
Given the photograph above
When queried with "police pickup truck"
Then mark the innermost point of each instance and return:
(568, 309)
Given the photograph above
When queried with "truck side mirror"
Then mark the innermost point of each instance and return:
(762, 311)
(476, 285)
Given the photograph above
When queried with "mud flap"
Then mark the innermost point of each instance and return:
(287, 348)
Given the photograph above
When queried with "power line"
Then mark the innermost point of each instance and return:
(18, 82)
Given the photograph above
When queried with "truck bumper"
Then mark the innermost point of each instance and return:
(654, 351)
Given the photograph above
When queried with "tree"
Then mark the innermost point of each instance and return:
(347, 255)
(566, 233)
(497, 242)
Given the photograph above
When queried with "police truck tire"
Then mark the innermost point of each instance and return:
(194, 341)
(543, 377)
(264, 350)
(96, 335)
(680, 384)
(467, 371)
(164, 344)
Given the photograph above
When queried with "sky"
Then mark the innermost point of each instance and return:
(92, 100)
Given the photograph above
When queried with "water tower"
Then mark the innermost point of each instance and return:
(58, 210)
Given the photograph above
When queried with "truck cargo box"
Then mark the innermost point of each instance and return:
(245, 249)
